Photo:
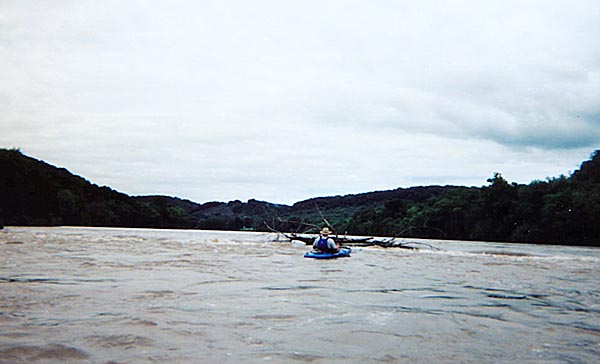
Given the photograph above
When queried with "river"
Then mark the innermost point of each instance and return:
(99, 295)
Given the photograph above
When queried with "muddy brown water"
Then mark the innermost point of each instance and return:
(96, 295)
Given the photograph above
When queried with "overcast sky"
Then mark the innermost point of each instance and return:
(286, 100)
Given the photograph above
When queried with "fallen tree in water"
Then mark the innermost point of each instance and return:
(308, 239)
(364, 242)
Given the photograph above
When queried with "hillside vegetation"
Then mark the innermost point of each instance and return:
(560, 210)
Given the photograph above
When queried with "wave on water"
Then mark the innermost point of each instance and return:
(41, 354)
(71, 281)
(512, 255)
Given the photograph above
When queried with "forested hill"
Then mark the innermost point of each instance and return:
(33, 192)
(561, 210)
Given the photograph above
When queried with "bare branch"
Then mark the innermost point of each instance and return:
(325, 220)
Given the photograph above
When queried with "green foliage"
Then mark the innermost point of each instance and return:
(558, 211)
(562, 210)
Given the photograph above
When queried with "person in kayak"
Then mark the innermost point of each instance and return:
(324, 243)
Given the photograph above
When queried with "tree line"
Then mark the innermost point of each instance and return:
(559, 210)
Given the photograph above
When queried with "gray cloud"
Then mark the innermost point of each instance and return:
(218, 100)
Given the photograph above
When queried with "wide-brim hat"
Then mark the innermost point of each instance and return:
(325, 231)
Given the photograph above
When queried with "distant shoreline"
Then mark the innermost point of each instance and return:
(558, 211)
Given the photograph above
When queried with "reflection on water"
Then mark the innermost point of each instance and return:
(85, 295)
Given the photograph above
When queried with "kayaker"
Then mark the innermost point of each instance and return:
(324, 243)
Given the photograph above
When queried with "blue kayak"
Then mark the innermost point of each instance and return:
(342, 253)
